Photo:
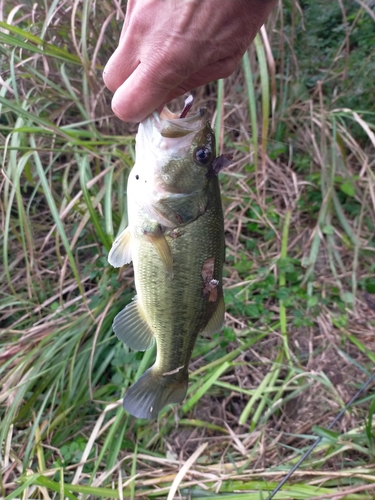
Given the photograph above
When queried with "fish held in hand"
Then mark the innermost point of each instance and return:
(175, 239)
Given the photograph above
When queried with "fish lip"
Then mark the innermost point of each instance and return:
(172, 126)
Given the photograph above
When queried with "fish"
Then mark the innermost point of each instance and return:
(175, 239)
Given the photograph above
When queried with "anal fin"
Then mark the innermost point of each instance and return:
(131, 327)
(216, 321)
(121, 251)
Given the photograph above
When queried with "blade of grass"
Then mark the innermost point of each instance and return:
(265, 89)
(56, 217)
(282, 284)
(219, 121)
(252, 106)
(192, 400)
(268, 381)
(83, 163)
(34, 43)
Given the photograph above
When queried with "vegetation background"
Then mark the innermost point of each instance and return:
(299, 200)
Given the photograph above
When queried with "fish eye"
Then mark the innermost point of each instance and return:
(203, 155)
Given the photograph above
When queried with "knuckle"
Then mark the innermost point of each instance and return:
(228, 66)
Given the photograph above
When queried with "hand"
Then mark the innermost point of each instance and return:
(169, 47)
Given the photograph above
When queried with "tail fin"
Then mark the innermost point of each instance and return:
(153, 391)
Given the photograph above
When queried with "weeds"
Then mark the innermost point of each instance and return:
(299, 206)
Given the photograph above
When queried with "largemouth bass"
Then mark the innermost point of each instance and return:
(175, 239)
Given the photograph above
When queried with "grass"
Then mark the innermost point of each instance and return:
(299, 203)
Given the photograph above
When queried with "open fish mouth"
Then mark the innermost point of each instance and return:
(174, 125)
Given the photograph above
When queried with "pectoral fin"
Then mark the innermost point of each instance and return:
(121, 251)
(216, 321)
(161, 246)
(131, 327)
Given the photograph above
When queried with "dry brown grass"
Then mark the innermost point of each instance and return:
(300, 323)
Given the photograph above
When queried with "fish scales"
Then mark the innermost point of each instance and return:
(175, 239)
(177, 309)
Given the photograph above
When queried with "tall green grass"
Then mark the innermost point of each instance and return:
(299, 277)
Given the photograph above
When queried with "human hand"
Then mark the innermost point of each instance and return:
(169, 47)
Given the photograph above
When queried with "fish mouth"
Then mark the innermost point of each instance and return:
(174, 125)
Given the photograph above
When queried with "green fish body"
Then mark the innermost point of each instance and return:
(175, 239)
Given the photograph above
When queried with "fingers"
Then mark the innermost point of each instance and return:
(215, 71)
(119, 67)
(126, 57)
(147, 89)
(142, 92)
(164, 53)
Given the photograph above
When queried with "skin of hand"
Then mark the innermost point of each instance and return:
(169, 47)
